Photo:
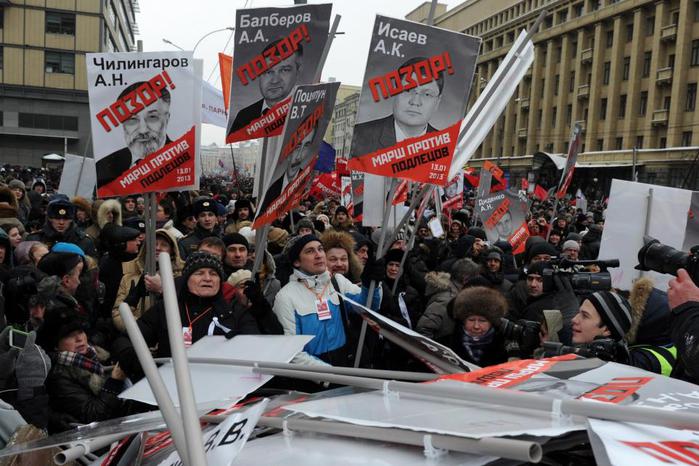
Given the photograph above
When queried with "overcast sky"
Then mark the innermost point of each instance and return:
(185, 22)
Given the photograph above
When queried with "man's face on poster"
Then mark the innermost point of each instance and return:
(504, 225)
(145, 132)
(276, 83)
(299, 155)
(452, 190)
(415, 107)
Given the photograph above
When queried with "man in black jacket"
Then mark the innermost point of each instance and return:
(59, 227)
(203, 310)
(205, 211)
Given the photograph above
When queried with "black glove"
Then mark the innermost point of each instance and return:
(531, 338)
(374, 270)
(253, 290)
(607, 349)
(136, 292)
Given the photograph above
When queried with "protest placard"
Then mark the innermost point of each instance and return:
(310, 112)
(78, 176)
(275, 50)
(453, 194)
(504, 217)
(144, 112)
(414, 95)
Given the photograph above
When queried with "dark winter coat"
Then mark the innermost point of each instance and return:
(493, 354)
(191, 242)
(73, 234)
(589, 250)
(435, 322)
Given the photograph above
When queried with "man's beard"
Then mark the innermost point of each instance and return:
(140, 150)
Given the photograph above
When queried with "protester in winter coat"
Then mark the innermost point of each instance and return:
(589, 250)
(406, 300)
(243, 212)
(477, 338)
(36, 199)
(9, 208)
(442, 287)
(24, 207)
(310, 305)
(205, 211)
(123, 246)
(203, 311)
(80, 391)
(59, 227)
(136, 284)
(491, 270)
(342, 220)
(108, 211)
(83, 212)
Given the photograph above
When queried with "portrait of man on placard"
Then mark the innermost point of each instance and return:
(297, 159)
(144, 133)
(504, 227)
(410, 116)
(275, 85)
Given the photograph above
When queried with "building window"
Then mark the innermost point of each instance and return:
(686, 138)
(622, 106)
(647, 57)
(543, 87)
(60, 23)
(695, 53)
(691, 103)
(594, 5)
(650, 25)
(600, 144)
(1, 54)
(538, 122)
(556, 84)
(41, 121)
(619, 142)
(577, 10)
(696, 11)
(603, 109)
(605, 72)
(666, 102)
(571, 84)
(626, 69)
(639, 142)
(643, 103)
(569, 114)
(663, 142)
(671, 61)
(559, 52)
(59, 62)
(629, 32)
(610, 38)
(573, 48)
(554, 115)
(562, 16)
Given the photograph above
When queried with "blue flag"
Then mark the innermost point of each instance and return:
(326, 158)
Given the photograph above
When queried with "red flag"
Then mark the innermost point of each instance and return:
(540, 193)
(401, 193)
(472, 177)
(225, 64)
(525, 184)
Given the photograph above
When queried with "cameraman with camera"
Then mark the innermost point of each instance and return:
(599, 331)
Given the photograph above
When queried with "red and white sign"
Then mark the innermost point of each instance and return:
(145, 113)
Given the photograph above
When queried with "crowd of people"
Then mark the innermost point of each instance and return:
(68, 263)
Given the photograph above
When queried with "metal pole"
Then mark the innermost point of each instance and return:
(469, 393)
(379, 255)
(185, 391)
(374, 373)
(520, 450)
(84, 447)
(157, 386)
(430, 16)
(465, 125)
(646, 224)
(414, 203)
(634, 154)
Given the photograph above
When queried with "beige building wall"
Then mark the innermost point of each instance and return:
(625, 70)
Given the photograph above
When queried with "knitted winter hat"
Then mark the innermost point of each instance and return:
(202, 260)
(614, 310)
(295, 249)
(236, 238)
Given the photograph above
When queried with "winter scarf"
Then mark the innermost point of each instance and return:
(87, 361)
(476, 346)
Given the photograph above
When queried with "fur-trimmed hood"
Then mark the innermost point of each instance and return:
(8, 203)
(650, 314)
(82, 204)
(112, 205)
(436, 282)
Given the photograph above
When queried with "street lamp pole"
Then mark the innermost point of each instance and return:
(201, 39)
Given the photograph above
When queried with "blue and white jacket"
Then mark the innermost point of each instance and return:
(295, 307)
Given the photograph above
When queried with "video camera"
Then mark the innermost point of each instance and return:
(580, 280)
(524, 332)
(605, 349)
(662, 258)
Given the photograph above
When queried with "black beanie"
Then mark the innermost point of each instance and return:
(614, 310)
(541, 248)
(236, 238)
(59, 263)
(202, 260)
(393, 255)
(477, 232)
(296, 248)
(58, 323)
